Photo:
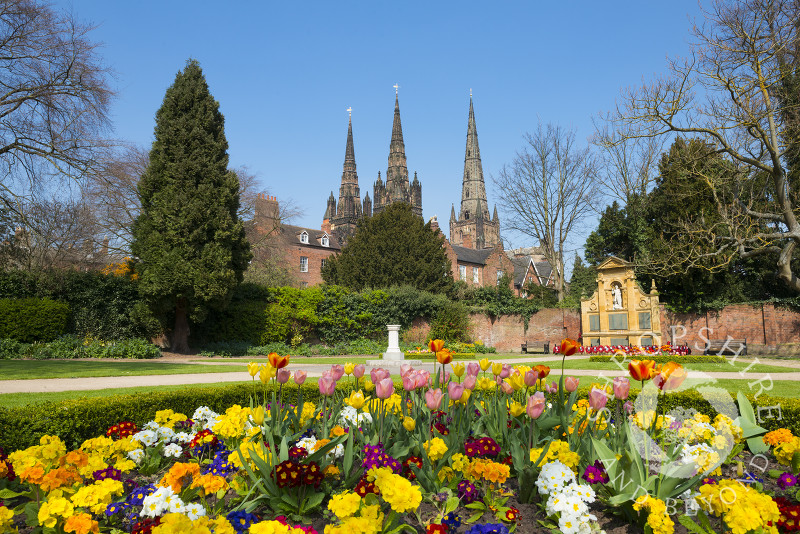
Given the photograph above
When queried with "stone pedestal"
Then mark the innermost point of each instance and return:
(393, 357)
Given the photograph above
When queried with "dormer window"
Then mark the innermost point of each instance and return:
(304, 237)
(325, 241)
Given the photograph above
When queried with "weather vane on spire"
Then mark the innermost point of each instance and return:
(396, 87)
(350, 111)
(470, 92)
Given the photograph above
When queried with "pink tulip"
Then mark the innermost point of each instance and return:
(622, 387)
(536, 404)
(443, 378)
(405, 369)
(337, 372)
(421, 379)
(506, 372)
(628, 406)
(385, 388)
(531, 377)
(552, 388)
(473, 369)
(300, 377)
(571, 383)
(327, 385)
(283, 375)
(598, 399)
(455, 390)
(408, 383)
(469, 382)
(377, 374)
(358, 370)
(433, 398)
(506, 388)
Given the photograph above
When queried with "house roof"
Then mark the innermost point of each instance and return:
(471, 255)
(543, 270)
(314, 235)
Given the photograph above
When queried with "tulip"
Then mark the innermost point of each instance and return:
(337, 371)
(506, 388)
(622, 387)
(516, 409)
(458, 369)
(356, 400)
(464, 397)
(300, 377)
(571, 383)
(444, 356)
(405, 369)
(422, 379)
(552, 388)
(536, 404)
(266, 373)
(378, 373)
(569, 347)
(628, 406)
(543, 370)
(385, 388)
(473, 369)
(348, 368)
(671, 377)
(497, 368)
(358, 370)
(455, 390)
(408, 383)
(642, 370)
(252, 368)
(433, 398)
(469, 382)
(598, 398)
(435, 345)
(258, 415)
(505, 371)
(409, 424)
(516, 381)
(531, 377)
(327, 385)
(368, 384)
(278, 362)
(484, 363)
(444, 378)
(283, 376)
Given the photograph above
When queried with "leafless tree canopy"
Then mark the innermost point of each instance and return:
(547, 190)
(729, 94)
(54, 96)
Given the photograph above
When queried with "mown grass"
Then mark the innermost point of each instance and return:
(34, 369)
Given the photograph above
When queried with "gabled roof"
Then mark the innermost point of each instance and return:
(471, 255)
(522, 264)
(295, 231)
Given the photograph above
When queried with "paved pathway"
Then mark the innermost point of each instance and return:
(49, 385)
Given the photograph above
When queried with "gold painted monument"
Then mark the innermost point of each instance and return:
(619, 312)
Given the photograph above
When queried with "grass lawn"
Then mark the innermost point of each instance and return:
(31, 369)
(707, 367)
(333, 360)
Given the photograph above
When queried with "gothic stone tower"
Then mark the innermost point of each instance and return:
(474, 228)
(397, 187)
(345, 216)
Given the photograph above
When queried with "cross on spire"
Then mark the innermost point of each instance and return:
(350, 111)
(396, 87)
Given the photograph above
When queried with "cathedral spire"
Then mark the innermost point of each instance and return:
(398, 170)
(349, 168)
(345, 216)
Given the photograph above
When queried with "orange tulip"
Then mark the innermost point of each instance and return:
(642, 370)
(569, 347)
(444, 356)
(436, 345)
(670, 377)
(543, 371)
(278, 362)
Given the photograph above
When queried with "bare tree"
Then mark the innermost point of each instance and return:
(731, 93)
(547, 190)
(54, 97)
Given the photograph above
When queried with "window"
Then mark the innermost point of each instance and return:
(304, 284)
(476, 279)
(323, 263)
(462, 272)
(466, 193)
(325, 241)
(304, 237)
(466, 215)
(594, 322)
(499, 276)
(644, 321)
(303, 264)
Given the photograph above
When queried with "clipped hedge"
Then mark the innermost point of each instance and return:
(71, 347)
(77, 420)
(33, 319)
(659, 358)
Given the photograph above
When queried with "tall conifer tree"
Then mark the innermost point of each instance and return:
(189, 244)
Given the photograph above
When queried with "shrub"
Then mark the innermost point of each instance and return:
(69, 347)
(33, 319)
(451, 323)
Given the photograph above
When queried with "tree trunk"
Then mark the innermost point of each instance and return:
(180, 334)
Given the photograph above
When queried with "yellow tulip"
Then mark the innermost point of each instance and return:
(258, 415)
(267, 372)
(348, 368)
(356, 400)
(484, 364)
(409, 424)
(368, 385)
(485, 384)
(458, 369)
(516, 381)
(516, 409)
(252, 368)
(464, 397)
(497, 368)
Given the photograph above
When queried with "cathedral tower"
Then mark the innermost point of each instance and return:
(474, 227)
(397, 187)
(346, 214)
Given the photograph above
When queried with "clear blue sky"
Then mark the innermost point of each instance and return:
(285, 72)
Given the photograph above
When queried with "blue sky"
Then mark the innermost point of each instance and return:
(285, 73)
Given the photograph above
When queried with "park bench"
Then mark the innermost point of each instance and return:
(727, 346)
(542, 347)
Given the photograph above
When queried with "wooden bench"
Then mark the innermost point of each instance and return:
(541, 347)
(736, 347)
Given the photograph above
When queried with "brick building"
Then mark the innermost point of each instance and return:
(530, 268)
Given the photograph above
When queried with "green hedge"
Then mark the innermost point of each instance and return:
(80, 419)
(658, 358)
(33, 319)
(71, 347)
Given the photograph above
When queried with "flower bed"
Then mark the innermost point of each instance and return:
(665, 350)
(660, 358)
(470, 448)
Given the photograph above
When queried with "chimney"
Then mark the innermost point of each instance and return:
(435, 223)
(267, 217)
